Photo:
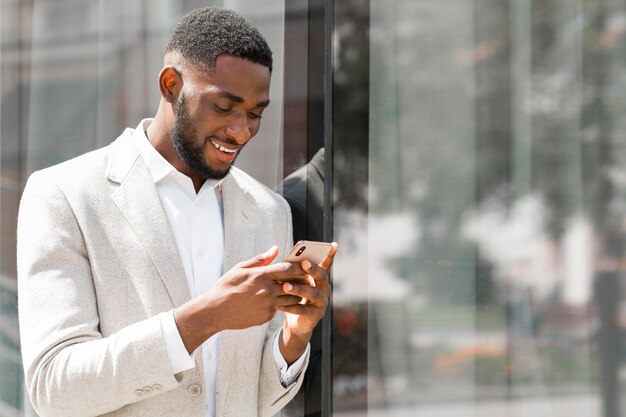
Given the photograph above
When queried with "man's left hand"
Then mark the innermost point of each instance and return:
(302, 318)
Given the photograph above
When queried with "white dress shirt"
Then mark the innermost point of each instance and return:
(196, 221)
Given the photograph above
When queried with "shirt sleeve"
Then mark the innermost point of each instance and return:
(288, 374)
(180, 359)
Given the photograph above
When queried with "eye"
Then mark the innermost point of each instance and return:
(220, 109)
(255, 116)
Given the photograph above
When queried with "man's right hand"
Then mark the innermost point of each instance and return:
(245, 296)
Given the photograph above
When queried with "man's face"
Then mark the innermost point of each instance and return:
(219, 115)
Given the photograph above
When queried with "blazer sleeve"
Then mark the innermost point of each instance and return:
(71, 369)
(272, 395)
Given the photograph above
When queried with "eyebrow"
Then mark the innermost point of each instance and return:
(237, 99)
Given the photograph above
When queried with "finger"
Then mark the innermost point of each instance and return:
(287, 300)
(284, 271)
(302, 280)
(319, 275)
(327, 262)
(299, 309)
(312, 294)
(260, 260)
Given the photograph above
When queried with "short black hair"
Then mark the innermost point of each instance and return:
(206, 33)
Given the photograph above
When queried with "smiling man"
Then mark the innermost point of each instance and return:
(148, 274)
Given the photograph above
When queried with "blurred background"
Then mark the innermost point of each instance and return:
(475, 177)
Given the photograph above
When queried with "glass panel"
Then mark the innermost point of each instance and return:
(482, 220)
(74, 74)
(304, 186)
(350, 337)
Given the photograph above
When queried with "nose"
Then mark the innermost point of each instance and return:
(238, 128)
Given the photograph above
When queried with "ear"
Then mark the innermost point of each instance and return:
(170, 83)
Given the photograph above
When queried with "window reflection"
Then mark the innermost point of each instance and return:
(482, 248)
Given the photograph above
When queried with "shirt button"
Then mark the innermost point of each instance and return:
(139, 393)
(147, 390)
(194, 390)
(157, 387)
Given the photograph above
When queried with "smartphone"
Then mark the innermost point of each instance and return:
(314, 252)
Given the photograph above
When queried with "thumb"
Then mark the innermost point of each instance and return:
(260, 260)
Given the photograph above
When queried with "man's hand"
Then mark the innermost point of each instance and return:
(302, 318)
(247, 295)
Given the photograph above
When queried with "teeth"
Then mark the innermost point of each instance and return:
(223, 149)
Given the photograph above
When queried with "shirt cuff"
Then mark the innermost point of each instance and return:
(180, 359)
(288, 374)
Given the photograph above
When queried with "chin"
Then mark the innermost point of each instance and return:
(213, 174)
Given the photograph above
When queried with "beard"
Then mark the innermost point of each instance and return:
(192, 154)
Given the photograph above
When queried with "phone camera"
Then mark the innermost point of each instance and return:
(300, 251)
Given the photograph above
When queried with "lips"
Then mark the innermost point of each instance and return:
(224, 153)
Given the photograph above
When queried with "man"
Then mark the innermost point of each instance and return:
(124, 308)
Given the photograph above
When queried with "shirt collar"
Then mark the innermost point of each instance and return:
(158, 166)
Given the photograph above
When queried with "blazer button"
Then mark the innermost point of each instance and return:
(194, 390)
(139, 393)
(147, 390)
(157, 387)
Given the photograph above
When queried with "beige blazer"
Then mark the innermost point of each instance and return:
(97, 264)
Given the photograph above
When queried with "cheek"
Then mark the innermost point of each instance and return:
(203, 120)
(254, 127)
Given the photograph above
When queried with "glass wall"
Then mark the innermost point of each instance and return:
(478, 183)
(480, 151)
(74, 74)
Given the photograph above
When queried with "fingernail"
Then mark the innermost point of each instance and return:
(306, 264)
(289, 287)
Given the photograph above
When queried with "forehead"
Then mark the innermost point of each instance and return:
(237, 76)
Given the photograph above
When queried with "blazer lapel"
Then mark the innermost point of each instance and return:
(139, 202)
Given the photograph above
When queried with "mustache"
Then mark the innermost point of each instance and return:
(224, 139)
